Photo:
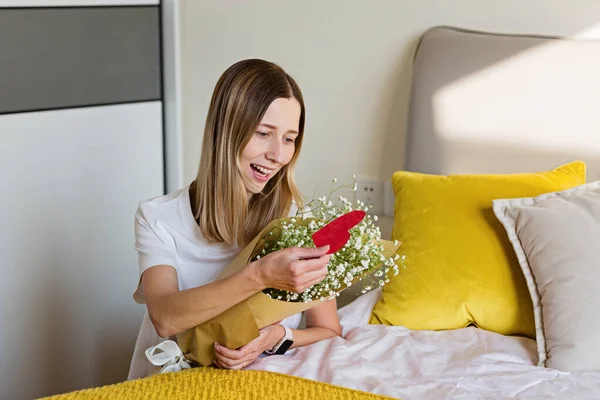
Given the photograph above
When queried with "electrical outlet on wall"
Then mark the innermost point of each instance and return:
(370, 192)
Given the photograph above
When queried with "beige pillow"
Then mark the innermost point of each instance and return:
(556, 237)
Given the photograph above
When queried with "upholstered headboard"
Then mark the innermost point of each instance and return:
(495, 103)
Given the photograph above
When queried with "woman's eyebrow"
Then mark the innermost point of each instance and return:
(275, 128)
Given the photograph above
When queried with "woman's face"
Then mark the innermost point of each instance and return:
(272, 145)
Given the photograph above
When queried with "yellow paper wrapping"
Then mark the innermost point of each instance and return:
(241, 323)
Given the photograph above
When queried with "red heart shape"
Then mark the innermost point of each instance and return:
(336, 233)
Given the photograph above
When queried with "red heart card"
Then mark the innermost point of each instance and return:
(336, 233)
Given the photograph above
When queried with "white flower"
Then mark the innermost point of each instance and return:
(358, 254)
(334, 180)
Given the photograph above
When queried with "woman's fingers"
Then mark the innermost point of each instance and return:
(314, 264)
(227, 363)
(309, 252)
(311, 283)
(233, 359)
(232, 354)
(312, 278)
(300, 266)
(306, 273)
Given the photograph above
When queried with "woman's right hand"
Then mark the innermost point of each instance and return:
(293, 269)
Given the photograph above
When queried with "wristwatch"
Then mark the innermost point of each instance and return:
(284, 344)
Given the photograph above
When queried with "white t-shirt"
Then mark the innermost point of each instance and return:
(167, 234)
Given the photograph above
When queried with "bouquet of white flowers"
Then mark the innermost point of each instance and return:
(362, 256)
(358, 254)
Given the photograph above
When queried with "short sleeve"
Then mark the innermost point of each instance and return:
(153, 245)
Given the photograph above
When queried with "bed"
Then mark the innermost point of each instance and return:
(375, 362)
(468, 363)
(480, 103)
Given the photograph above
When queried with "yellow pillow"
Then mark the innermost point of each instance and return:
(460, 268)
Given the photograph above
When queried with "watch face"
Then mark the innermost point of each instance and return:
(284, 346)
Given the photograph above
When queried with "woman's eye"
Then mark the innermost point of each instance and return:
(262, 134)
(290, 140)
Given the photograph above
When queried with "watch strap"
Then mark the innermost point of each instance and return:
(284, 344)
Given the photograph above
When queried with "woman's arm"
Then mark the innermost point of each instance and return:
(322, 322)
(173, 311)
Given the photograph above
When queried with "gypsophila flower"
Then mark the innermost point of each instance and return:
(360, 259)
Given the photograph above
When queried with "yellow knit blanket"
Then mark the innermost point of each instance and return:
(217, 384)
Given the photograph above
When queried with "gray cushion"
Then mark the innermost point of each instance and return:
(556, 238)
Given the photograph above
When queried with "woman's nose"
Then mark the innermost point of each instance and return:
(275, 152)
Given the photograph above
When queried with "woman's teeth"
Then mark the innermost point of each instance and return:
(261, 170)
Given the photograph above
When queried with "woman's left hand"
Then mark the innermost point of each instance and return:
(248, 353)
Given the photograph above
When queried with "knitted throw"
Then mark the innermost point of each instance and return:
(217, 384)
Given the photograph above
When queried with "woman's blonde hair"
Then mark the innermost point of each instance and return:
(241, 97)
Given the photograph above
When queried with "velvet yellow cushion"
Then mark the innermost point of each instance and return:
(460, 268)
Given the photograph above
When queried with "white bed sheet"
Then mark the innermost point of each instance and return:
(461, 364)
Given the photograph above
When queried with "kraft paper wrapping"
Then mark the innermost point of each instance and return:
(241, 323)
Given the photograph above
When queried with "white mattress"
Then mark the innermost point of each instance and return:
(462, 364)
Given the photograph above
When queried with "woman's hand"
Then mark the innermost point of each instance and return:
(293, 269)
(245, 355)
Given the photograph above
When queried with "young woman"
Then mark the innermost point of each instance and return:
(252, 139)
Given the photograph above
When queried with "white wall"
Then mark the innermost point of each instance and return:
(352, 61)
(68, 319)
(81, 143)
